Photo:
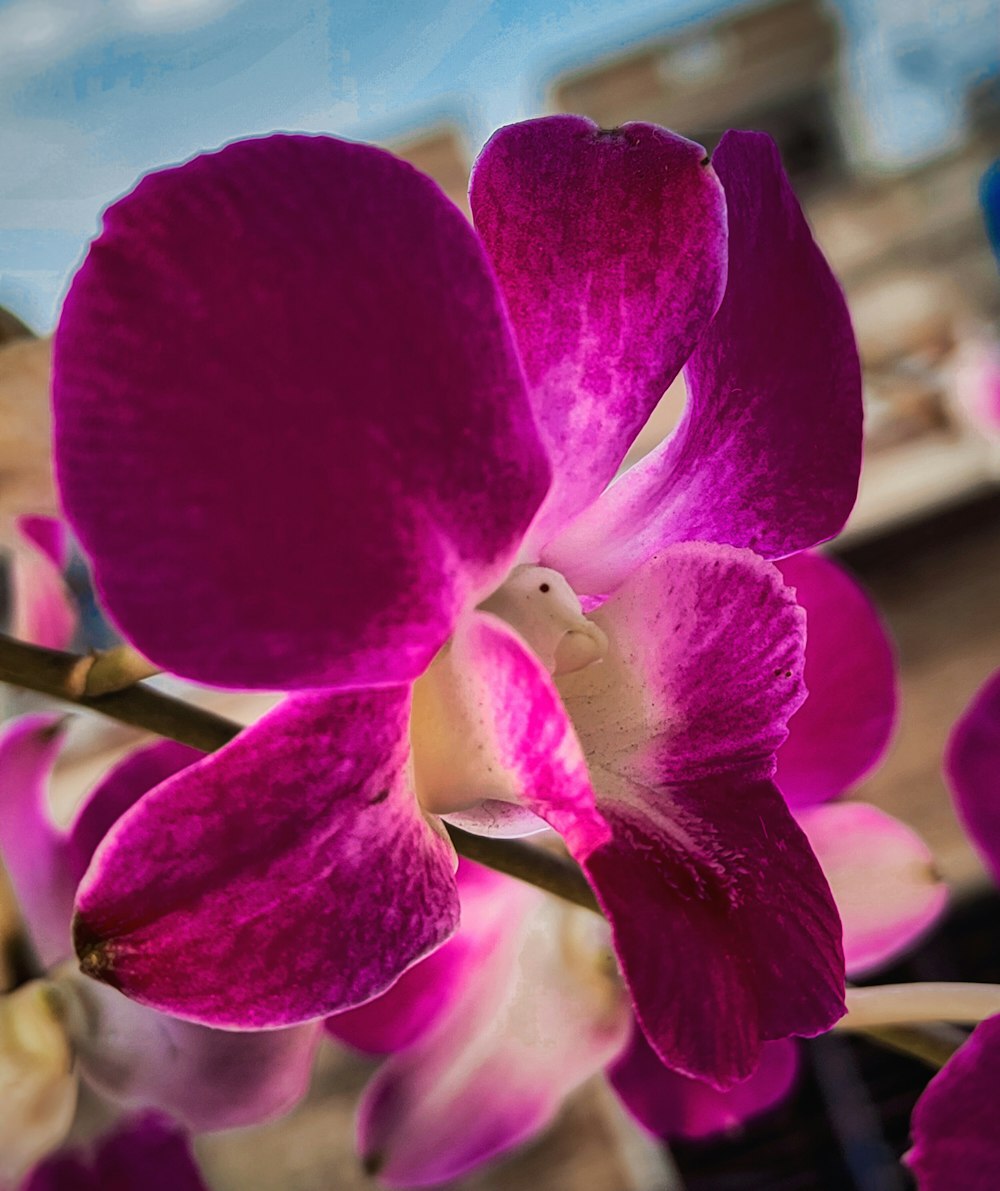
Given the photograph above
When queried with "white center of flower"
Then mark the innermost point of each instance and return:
(545, 611)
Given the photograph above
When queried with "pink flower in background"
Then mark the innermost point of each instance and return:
(955, 1121)
(43, 609)
(132, 1056)
(492, 1032)
(317, 434)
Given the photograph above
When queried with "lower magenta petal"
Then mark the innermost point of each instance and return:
(287, 876)
(724, 925)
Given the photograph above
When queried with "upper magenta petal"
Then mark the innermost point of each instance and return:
(610, 248)
(292, 431)
(768, 453)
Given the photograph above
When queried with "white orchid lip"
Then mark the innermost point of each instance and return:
(539, 604)
(456, 761)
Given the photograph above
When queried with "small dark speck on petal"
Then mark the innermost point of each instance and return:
(544, 587)
(381, 796)
(706, 160)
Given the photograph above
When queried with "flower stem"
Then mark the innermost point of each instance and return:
(911, 1004)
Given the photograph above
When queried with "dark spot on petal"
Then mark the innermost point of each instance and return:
(93, 952)
(381, 796)
(706, 160)
(545, 587)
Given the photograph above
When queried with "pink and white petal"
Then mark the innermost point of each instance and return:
(610, 249)
(489, 726)
(723, 923)
(972, 766)
(44, 612)
(674, 1107)
(883, 879)
(768, 453)
(426, 993)
(704, 668)
(291, 425)
(842, 730)
(206, 1079)
(538, 1017)
(144, 1153)
(955, 1139)
(287, 876)
(34, 851)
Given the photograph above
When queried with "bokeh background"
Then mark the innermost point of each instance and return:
(888, 116)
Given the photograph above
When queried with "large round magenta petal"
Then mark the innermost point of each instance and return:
(973, 769)
(610, 248)
(956, 1144)
(842, 730)
(769, 451)
(292, 431)
(285, 877)
(673, 1106)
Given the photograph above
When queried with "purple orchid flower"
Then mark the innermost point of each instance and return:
(317, 434)
(133, 1056)
(954, 1122)
(521, 1005)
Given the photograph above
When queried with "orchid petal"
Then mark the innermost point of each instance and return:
(672, 1106)
(489, 726)
(206, 1079)
(769, 450)
(287, 876)
(148, 1152)
(33, 850)
(48, 535)
(292, 342)
(426, 993)
(703, 672)
(883, 880)
(610, 248)
(538, 1016)
(973, 769)
(706, 865)
(45, 863)
(843, 729)
(955, 1139)
(43, 609)
(723, 923)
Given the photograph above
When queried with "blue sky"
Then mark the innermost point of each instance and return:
(94, 92)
